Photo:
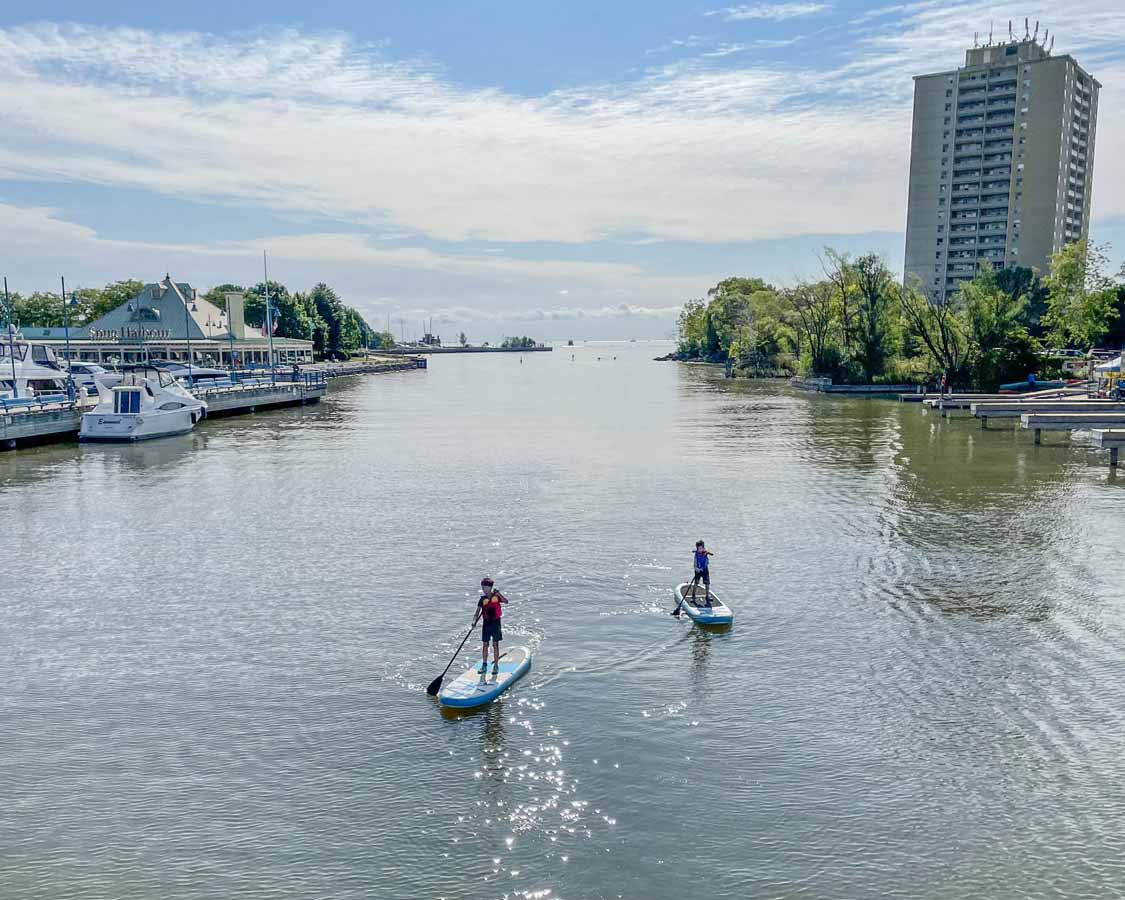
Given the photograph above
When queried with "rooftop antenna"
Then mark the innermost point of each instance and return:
(1036, 35)
(1011, 37)
(1026, 29)
(1052, 47)
(1046, 32)
(976, 35)
(989, 32)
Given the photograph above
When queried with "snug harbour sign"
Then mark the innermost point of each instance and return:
(131, 333)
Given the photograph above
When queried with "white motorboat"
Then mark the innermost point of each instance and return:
(28, 370)
(135, 408)
(87, 375)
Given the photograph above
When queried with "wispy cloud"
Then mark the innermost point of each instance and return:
(775, 12)
(726, 148)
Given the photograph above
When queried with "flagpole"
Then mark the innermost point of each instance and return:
(269, 317)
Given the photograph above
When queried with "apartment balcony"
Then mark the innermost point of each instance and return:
(997, 158)
(970, 120)
(964, 133)
(991, 130)
(963, 214)
(997, 171)
(1005, 144)
(995, 115)
(994, 185)
(962, 202)
(966, 174)
(994, 226)
(999, 212)
(968, 148)
(963, 229)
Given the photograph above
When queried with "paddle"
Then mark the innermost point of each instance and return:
(683, 596)
(435, 685)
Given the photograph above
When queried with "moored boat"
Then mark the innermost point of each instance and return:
(135, 408)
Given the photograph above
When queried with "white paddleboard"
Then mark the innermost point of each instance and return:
(718, 613)
(474, 688)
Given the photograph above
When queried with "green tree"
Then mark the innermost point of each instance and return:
(814, 309)
(875, 301)
(42, 309)
(1002, 348)
(1082, 299)
(940, 327)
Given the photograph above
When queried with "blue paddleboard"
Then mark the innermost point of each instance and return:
(718, 613)
(474, 688)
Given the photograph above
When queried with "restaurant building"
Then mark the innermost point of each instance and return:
(167, 320)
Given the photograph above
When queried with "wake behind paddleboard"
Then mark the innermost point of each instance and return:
(472, 688)
(718, 613)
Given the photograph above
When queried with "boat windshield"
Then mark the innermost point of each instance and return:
(17, 350)
(45, 356)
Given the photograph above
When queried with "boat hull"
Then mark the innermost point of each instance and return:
(127, 428)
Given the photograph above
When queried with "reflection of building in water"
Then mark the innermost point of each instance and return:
(159, 323)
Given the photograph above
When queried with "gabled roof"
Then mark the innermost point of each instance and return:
(166, 310)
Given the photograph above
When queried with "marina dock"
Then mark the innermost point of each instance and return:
(1069, 408)
(56, 420)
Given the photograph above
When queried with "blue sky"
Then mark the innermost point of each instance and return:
(578, 170)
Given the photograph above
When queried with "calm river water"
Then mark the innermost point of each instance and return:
(214, 648)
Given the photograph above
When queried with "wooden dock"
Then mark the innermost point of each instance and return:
(1073, 421)
(999, 409)
(1111, 439)
(825, 386)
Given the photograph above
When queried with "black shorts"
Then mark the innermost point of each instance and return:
(703, 575)
(490, 631)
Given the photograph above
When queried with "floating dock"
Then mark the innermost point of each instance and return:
(1111, 439)
(32, 422)
(1070, 421)
(825, 386)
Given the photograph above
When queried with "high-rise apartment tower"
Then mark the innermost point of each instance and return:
(1001, 161)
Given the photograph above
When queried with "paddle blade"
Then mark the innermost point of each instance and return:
(434, 686)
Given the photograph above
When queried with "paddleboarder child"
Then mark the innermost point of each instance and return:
(489, 605)
(702, 570)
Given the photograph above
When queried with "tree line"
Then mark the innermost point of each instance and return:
(859, 324)
(318, 315)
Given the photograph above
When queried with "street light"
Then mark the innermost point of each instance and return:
(187, 332)
(66, 334)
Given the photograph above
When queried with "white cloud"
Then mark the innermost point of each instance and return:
(776, 12)
(488, 288)
(702, 151)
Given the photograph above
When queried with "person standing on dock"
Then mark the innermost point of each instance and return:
(702, 570)
(489, 606)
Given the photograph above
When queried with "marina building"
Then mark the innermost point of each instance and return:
(167, 320)
(1001, 162)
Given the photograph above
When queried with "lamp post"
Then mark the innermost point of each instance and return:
(187, 334)
(11, 338)
(230, 334)
(66, 335)
(269, 317)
